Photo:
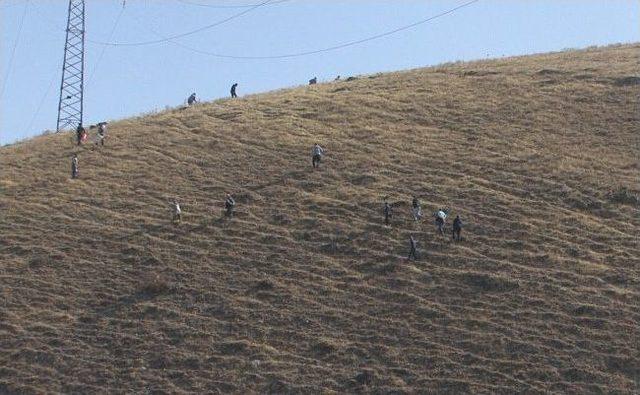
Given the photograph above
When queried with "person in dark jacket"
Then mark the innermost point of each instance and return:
(313, 81)
(387, 213)
(233, 90)
(413, 252)
(80, 132)
(457, 228)
(440, 224)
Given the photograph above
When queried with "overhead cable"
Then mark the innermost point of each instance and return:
(193, 3)
(170, 38)
(316, 51)
(5, 82)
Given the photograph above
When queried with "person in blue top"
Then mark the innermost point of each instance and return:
(192, 99)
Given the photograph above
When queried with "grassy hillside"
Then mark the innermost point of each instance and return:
(306, 290)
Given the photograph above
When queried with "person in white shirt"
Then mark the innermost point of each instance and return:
(177, 213)
(74, 166)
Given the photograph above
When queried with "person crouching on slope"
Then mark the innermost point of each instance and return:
(192, 99)
(413, 252)
(316, 155)
(229, 205)
(177, 213)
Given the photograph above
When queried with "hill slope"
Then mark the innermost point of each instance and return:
(306, 290)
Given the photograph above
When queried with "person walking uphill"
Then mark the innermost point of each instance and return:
(177, 212)
(74, 166)
(457, 228)
(229, 205)
(102, 132)
(316, 155)
(441, 217)
(415, 209)
(233, 90)
(387, 212)
(80, 133)
(413, 252)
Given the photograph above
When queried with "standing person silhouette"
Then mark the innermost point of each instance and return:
(74, 166)
(229, 205)
(233, 90)
(413, 252)
(316, 155)
(387, 212)
(457, 228)
(80, 132)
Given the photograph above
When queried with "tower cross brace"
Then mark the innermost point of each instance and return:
(70, 105)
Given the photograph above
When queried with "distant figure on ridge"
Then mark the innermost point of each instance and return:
(177, 213)
(387, 212)
(415, 209)
(233, 90)
(337, 78)
(80, 133)
(192, 99)
(313, 81)
(457, 228)
(413, 252)
(74, 166)
(229, 205)
(316, 155)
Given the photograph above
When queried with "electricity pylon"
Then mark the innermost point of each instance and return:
(71, 87)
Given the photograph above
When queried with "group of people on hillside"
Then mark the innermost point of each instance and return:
(229, 205)
(440, 217)
(192, 99)
(317, 153)
(82, 136)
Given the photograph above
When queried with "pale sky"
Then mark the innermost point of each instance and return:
(129, 80)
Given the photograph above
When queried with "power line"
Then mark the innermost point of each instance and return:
(5, 6)
(327, 49)
(13, 50)
(165, 39)
(226, 6)
(104, 48)
(46, 93)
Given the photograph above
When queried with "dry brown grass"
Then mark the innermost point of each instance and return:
(305, 290)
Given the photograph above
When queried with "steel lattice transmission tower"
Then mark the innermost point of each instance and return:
(71, 87)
